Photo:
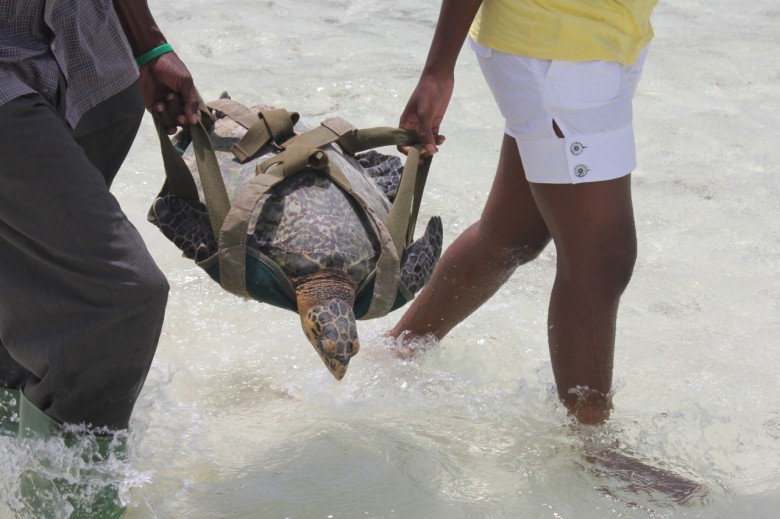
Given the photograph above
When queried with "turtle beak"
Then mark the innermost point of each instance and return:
(325, 306)
(332, 330)
(337, 364)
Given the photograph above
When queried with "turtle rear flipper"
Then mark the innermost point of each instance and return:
(187, 225)
(420, 257)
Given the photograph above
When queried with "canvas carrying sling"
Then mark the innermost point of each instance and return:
(249, 273)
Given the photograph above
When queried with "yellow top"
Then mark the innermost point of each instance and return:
(567, 30)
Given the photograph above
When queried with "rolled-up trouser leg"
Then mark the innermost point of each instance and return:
(81, 299)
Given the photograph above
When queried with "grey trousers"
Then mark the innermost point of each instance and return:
(81, 300)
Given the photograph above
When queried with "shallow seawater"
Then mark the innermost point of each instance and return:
(240, 419)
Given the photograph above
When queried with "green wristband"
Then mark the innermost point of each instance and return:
(156, 52)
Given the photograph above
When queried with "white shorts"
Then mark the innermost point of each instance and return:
(589, 101)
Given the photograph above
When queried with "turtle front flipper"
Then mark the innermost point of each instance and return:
(187, 225)
(325, 299)
(420, 257)
(384, 170)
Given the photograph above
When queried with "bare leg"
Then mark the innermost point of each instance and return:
(510, 232)
(593, 228)
(592, 225)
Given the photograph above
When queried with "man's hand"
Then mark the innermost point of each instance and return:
(169, 92)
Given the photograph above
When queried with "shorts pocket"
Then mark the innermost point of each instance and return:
(585, 83)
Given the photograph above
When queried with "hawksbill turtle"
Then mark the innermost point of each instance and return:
(311, 229)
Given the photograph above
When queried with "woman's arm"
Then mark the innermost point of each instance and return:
(426, 107)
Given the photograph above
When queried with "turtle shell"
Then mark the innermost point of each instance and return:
(306, 222)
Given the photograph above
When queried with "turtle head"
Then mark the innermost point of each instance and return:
(325, 301)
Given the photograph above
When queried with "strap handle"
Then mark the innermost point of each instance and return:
(214, 191)
(179, 176)
(406, 206)
(296, 149)
(403, 214)
(231, 221)
(263, 127)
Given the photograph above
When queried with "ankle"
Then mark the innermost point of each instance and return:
(588, 406)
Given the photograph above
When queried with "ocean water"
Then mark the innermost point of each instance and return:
(240, 419)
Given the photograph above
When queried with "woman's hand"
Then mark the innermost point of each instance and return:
(425, 110)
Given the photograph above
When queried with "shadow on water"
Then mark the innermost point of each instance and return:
(623, 473)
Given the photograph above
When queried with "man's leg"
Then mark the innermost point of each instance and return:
(510, 232)
(592, 225)
(106, 133)
(81, 300)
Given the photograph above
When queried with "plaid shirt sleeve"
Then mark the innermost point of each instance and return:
(83, 40)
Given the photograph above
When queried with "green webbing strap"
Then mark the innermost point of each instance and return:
(274, 124)
(177, 174)
(179, 177)
(300, 152)
(296, 157)
(235, 228)
(305, 150)
(351, 139)
(301, 145)
(356, 141)
(211, 181)
(387, 270)
(234, 233)
(403, 213)
(419, 187)
(235, 110)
